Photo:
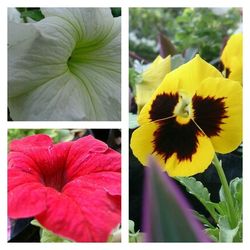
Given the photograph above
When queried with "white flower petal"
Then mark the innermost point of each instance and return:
(62, 96)
(70, 67)
(91, 23)
(14, 15)
(39, 53)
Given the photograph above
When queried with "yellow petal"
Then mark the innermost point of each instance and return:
(221, 119)
(232, 57)
(143, 94)
(143, 145)
(187, 77)
(141, 142)
(151, 79)
(154, 75)
(199, 163)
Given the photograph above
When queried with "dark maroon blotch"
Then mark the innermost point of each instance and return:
(172, 137)
(221, 68)
(209, 113)
(163, 106)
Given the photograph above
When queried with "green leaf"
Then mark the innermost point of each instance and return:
(48, 236)
(36, 223)
(176, 61)
(167, 216)
(190, 53)
(134, 236)
(197, 189)
(222, 194)
(131, 226)
(226, 233)
(213, 233)
(137, 237)
(115, 235)
(203, 219)
(116, 12)
(64, 135)
(235, 187)
(222, 208)
(134, 78)
(36, 14)
(236, 191)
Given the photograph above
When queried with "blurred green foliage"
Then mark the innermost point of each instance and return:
(116, 12)
(36, 14)
(199, 28)
(58, 135)
(33, 13)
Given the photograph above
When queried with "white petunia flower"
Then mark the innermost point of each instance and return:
(66, 66)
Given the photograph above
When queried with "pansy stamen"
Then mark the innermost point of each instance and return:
(184, 107)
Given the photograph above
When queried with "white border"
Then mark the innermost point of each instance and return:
(4, 125)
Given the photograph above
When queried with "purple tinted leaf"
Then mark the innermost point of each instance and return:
(167, 216)
(166, 47)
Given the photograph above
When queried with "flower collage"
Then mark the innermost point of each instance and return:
(123, 124)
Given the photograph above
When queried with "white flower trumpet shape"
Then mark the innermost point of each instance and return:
(66, 66)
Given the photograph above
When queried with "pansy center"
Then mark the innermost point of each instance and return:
(183, 109)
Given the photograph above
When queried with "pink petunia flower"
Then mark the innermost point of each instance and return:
(72, 188)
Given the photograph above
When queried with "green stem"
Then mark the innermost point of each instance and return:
(228, 196)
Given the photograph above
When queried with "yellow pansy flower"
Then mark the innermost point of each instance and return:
(232, 57)
(194, 113)
(151, 79)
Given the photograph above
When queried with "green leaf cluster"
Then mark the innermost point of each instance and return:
(116, 12)
(134, 236)
(48, 236)
(220, 229)
(33, 13)
(58, 135)
(115, 235)
(134, 78)
(197, 28)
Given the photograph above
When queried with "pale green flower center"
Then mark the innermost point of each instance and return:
(183, 108)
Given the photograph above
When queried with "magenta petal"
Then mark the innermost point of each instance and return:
(25, 163)
(26, 194)
(109, 182)
(40, 152)
(25, 143)
(72, 188)
(26, 200)
(100, 204)
(64, 217)
(17, 177)
(88, 155)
